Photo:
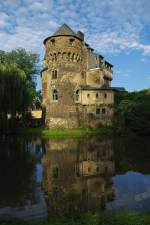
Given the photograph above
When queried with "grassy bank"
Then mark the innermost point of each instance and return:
(91, 219)
(80, 132)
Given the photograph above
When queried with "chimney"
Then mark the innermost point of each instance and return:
(80, 35)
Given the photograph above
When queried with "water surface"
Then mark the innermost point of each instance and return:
(56, 176)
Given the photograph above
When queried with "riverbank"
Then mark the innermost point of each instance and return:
(80, 132)
(90, 219)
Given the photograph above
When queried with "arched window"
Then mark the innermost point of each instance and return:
(54, 74)
(52, 41)
(69, 55)
(77, 95)
(103, 111)
(105, 95)
(64, 55)
(55, 95)
(55, 172)
(71, 41)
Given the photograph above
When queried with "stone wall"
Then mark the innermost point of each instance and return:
(81, 169)
(69, 56)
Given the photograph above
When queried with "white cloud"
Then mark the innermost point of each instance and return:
(122, 73)
(110, 26)
(3, 19)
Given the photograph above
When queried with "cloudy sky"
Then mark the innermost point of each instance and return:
(117, 29)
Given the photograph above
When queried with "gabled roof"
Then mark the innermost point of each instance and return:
(64, 30)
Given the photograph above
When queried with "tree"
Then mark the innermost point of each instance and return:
(15, 95)
(37, 100)
(26, 61)
(132, 112)
(17, 84)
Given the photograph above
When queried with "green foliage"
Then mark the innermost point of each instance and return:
(84, 219)
(37, 100)
(12, 88)
(26, 61)
(17, 87)
(132, 218)
(80, 132)
(91, 219)
(132, 112)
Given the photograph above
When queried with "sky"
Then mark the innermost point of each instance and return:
(117, 29)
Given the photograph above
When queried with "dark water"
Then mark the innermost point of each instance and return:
(67, 175)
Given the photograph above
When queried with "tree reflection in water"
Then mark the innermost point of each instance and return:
(76, 175)
(17, 165)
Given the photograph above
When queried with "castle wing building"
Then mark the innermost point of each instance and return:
(76, 82)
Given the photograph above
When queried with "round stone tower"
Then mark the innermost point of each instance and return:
(63, 73)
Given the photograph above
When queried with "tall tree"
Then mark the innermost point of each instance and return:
(132, 112)
(27, 61)
(15, 95)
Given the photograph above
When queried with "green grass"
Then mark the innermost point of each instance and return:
(80, 132)
(132, 218)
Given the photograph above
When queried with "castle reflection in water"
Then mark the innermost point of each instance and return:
(77, 174)
(67, 175)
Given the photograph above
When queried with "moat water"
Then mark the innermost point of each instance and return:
(55, 176)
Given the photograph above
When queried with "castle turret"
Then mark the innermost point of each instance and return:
(64, 60)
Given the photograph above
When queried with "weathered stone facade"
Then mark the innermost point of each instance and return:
(78, 174)
(76, 82)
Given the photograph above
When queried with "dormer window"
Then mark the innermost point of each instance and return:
(52, 41)
(54, 74)
(71, 41)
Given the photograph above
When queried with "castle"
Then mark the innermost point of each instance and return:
(78, 174)
(76, 82)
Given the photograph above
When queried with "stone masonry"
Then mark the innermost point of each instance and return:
(76, 82)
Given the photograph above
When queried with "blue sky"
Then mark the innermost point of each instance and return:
(117, 29)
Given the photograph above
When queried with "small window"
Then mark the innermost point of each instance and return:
(106, 170)
(89, 169)
(96, 95)
(53, 42)
(71, 41)
(83, 74)
(98, 111)
(54, 74)
(55, 95)
(77, 95)
(103, 111)
(105, 95)
(55, 172)
(69, 55)
(97, 169)
(104, 153)
(88, 95)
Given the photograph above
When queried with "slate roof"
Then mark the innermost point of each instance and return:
(64, 30)
(88, 87)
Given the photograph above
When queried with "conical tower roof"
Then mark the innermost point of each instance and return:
(64, 30)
